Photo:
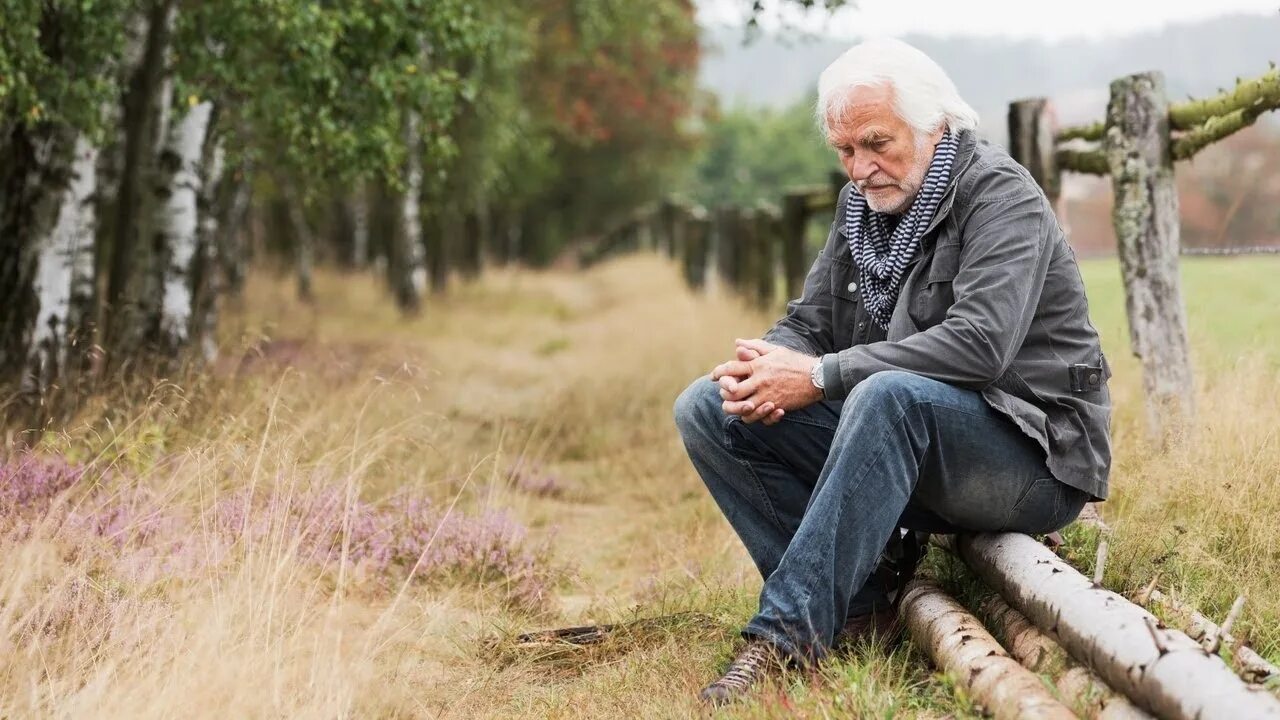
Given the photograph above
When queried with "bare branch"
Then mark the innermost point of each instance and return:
(1090, 162)
(1248, 94)
(1092, 131)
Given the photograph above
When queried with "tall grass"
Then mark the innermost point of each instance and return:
(351, 513)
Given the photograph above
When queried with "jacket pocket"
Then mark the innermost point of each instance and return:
(933, 296)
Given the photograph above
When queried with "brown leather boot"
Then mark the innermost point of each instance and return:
(755, 662)
(883, 628)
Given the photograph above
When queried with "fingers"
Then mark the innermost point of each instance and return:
(738, 407)
(774, 417)
(746, 354)
(731, 388)
(760, 413)
(760, 347)
(737, 368)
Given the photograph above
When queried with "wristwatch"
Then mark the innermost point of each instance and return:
(815, 376)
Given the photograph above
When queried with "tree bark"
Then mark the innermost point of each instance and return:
(1031, 142)
(303, 244)
(177, 228)
(1146, 224)
(208, 283)
(131, 293)
(1251, 666)
(231, 248)
(359, 209)
(35, 172)
(1036, 651)
(64, 275)
(959, 644)
(1161, 670)
(405, 263)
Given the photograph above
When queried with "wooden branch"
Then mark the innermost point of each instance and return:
(1261, 91)
(1216, 128)
(959, 644)
(1037, 652)
(1092, 132)
(1163, 671)
(1249, 664)
(1090, 162)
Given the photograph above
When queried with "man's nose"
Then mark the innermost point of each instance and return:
(860, 169)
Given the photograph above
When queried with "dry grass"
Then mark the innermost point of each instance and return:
(570, 377)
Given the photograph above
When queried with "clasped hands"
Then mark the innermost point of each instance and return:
(765, 381)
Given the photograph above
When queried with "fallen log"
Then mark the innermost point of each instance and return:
(1249, 664)
(1036, 651)
(1161, 670)
(958, 643)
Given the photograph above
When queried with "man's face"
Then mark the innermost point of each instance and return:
(879, 150)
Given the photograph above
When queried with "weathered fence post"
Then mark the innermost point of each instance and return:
(1146, 223)
(768, 221)
(1031, 142)
(696, 244)
(726, 244)
(795, 217)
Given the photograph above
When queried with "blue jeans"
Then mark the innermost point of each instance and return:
(815, 497)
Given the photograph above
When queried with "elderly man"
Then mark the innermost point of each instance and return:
(939, 373)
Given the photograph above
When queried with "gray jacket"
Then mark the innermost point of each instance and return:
(993, 301)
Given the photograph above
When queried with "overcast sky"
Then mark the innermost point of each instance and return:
(1011, 18)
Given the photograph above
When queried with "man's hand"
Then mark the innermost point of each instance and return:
(765, 381)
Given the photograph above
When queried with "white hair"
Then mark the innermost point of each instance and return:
(923, 95)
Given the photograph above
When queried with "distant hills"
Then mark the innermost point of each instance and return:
(1196, 58)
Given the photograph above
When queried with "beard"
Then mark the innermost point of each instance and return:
(894, 198)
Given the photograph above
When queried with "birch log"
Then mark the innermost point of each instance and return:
(1161, 670)
(959, 644)
(1146, 224)
(1037, 652)
(1251, 666)
(178, 223)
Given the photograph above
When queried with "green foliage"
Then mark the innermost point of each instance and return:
(57, 60)
(752, 154)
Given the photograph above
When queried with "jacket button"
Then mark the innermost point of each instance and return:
(853, 286)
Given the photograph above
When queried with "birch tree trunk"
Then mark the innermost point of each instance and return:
(177, 225)
(1146, 224)
(64, 275)
(207, 281)
(231, 248)
(303, 244)
(1161, 670)
(35, 167)
(405, 262)
(359, 209)
(132, 294)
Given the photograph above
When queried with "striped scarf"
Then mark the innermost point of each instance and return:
(881, 255)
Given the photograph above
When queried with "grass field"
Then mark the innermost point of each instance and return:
(353, 513)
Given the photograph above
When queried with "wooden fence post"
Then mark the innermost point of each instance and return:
(695, 246)
(1031, 142)
(768, 221)
(727, 244)
(1146, 223)
(795, 218)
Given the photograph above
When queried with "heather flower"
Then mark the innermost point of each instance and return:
(29, 482)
